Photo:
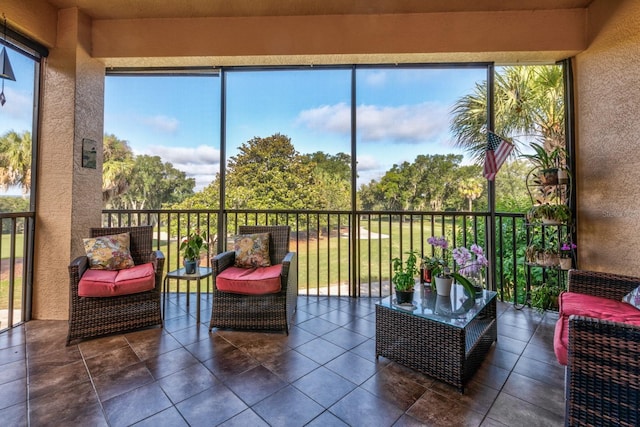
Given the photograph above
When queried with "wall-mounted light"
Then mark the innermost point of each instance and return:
(6, 71)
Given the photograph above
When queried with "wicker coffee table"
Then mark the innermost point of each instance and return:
(443, 337)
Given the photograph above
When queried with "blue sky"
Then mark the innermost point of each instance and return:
(401, 113)
(17, 113)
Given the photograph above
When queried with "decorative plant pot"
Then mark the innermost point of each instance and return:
(426, 275)
(550, 221)
(190, 266)
(547, 259)
(563, 176)
(565, 263)
(404, 297)
(550, 176)
(443, 285)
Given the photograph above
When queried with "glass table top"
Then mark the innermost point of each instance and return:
(180, 273)
(456, 310)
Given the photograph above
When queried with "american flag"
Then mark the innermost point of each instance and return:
(498, 149)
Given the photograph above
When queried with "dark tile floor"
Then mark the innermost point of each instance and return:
(323, 374)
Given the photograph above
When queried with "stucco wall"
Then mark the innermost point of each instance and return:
(608, 132)
(448, 36)
(68, 195)
(607, 76)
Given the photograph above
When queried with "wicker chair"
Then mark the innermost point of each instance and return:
(603, 369)
(261, 312)
(92, 317)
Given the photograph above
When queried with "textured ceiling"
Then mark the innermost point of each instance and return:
(136, 9)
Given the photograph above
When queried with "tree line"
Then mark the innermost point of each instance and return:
(268, 173)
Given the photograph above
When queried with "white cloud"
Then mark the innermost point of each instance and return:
(367, 163)
(201, 163)
(330, 118)
(201, 155)
(376, 79)
(161, 123)
(404, 123)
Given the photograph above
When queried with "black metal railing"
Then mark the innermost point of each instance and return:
(346, 254)
(15, 267)
(339, 253)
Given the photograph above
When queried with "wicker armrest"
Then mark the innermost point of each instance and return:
(222, 261)
(603, 372)
(287, 263)
(290, 271)
(76, 269)
(159, 268)
(603, 342)
(606, 285)
(79, 265)
(150, 257)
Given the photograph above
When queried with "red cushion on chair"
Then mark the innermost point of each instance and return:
(250, 281)
(106, 283)
(561, 340)
(572, 303)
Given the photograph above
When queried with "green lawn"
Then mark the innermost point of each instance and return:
(322, 261)
(5, 252)
(5, 248)
(325, 261)
(17, 294)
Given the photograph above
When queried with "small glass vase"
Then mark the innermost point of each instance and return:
(476, 277)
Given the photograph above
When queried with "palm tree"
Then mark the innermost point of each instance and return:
(471, 188)
(116, 168)
(15, 161)
(529, 105)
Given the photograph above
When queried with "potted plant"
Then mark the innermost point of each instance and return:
(545, 297)
(563, 176)
(549, 214)
(471, 264)
(191, 247)
(546, 162)
(563, 172)
(547, 257)
(566, 254)
(404, 277)
(429, 264)
(442, 274)
(440, 265)
(531, 253)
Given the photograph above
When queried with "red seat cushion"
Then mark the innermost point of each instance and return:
(250, 281)
(572, 303)
(109, 283)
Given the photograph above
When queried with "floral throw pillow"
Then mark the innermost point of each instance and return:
(252, 250)
(633, 297)
(108, 252)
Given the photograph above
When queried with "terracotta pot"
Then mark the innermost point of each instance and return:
(565, 263)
